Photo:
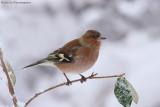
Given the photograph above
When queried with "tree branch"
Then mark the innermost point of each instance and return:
(10, 87)
(92, 76)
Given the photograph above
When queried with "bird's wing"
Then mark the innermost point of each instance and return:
(66, 54)
(59, 57)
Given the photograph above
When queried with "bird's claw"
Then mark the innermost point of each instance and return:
(68, 82)
(83, 79)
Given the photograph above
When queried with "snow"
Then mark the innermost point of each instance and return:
(20, 104)
(2, 76)
(123, 92)
(138, 7)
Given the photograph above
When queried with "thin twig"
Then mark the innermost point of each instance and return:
(10, 87)
(92, 76)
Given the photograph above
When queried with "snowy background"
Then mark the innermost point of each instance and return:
(29, 32)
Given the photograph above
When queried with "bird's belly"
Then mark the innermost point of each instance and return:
(77, 67)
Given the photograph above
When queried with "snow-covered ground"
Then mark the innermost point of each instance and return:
(29, 32)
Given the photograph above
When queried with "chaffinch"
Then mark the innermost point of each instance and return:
(77, 56)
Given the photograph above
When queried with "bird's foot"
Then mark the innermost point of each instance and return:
(68, 82)
(83, 79)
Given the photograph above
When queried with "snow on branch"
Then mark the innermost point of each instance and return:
(9, 84)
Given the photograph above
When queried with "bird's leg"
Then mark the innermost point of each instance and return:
(83, 79)
(68, 81)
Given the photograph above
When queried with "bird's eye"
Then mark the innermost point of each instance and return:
(93, 36)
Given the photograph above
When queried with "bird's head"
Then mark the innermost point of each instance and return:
(91, 38)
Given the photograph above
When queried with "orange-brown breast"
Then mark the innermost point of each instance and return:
(83, 61)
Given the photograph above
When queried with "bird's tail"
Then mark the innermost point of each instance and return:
(36, 63)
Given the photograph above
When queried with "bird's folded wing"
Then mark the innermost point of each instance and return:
(66, 54)
(59, 57)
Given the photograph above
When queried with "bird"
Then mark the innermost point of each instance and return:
(76, 56)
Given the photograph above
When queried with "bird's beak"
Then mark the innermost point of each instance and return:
(101, 38)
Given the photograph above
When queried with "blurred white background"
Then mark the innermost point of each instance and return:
(29, 32)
